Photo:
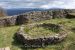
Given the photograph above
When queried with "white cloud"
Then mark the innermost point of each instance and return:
(52, 4)
(45, 6)
(38, 4)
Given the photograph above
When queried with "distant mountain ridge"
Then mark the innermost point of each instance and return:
(17, 11)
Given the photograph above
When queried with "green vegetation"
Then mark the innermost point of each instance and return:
(45, 29)
(40, 31)
(7, 34)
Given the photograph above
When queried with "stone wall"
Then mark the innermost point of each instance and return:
(33, 17)
(44, 15)
(26, 39)
(7, 21)
(70, 15)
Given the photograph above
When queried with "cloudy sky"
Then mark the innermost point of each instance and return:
(68, 4)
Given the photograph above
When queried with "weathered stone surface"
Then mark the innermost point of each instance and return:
(44, 15)
(21, 19)
(7, 21)
(26, 39)
(6, 48)
(70, 15)
(59, 14)
(35, 16)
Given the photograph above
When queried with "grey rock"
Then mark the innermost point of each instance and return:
(26, 39)
(35, 16)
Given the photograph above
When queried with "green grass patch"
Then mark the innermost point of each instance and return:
(7, 34)
(42, 30)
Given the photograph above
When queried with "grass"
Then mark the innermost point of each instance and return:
(43, 30)
(40, 31)
(7, 34)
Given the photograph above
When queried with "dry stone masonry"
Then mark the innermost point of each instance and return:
(25, 18)
(35, 16)
(7, 21)
(26, 39)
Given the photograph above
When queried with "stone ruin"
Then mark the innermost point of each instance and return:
(28, 41)
(34, 17)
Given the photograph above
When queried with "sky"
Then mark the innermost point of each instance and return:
(46, 4)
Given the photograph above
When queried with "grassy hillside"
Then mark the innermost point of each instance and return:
(7, 34)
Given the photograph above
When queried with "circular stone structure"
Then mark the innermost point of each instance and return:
(36, 41)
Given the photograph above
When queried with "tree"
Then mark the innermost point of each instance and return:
(2, 12)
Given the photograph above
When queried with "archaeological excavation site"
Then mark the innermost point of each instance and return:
(38, 30)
